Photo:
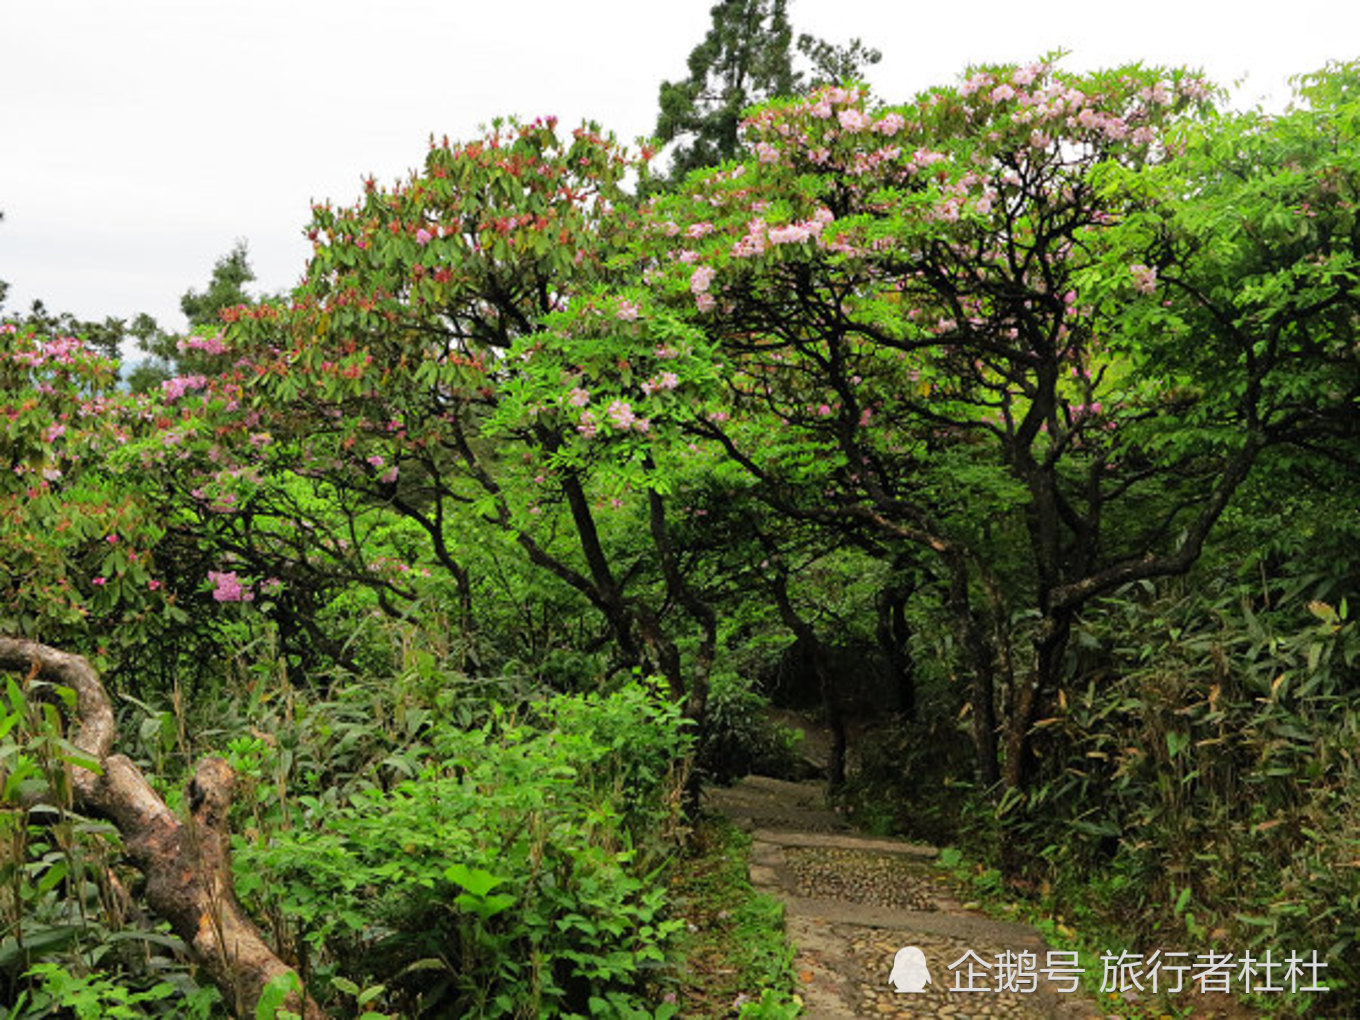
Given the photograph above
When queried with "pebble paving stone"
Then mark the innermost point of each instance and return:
(851, 902)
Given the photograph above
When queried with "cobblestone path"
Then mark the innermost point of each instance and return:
(853, 901)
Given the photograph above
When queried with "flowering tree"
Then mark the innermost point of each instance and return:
(932, 304)
(78, 544)
(421, 384)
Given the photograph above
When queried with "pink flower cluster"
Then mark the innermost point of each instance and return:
(227, 587)
(1144, 278)
(698, 285)
(665, 381)
(623, 417)
(62, 350)
(206, 344)
(853, 120)
(797, 232)
(175, 388)
(754, 241)
(890, 125)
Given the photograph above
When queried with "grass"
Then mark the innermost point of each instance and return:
(738, 958)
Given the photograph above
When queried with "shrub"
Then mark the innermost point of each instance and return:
(514, 875)
(739, 738)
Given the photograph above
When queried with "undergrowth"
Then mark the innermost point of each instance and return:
(739, 962)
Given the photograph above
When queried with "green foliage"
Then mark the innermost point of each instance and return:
(738, 954)
(739, 738)
(514, 871)
(67, 944)
(89, 998)
(226, 288)
(1206, 770)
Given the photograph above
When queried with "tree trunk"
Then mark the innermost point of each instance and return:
(979, 662)
(187, 863)
(893, 634)
(1049, 648)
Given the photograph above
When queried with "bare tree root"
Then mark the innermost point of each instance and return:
(187, 864)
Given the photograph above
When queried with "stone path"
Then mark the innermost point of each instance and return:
(851, 902)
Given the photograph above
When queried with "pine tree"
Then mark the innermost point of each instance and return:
(225, 290)
(746, 57)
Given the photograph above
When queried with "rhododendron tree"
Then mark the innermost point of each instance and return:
(417, 375)
(78, 542)
(921, 300)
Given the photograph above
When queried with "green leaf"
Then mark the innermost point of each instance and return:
(1176, 742)
(475, 880)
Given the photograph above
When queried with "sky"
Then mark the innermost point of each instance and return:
(140, 139)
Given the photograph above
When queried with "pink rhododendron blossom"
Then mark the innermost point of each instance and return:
(586, 426)
(1001, 93)
(1194, 88)
(175, 388)
(578, 397)
(98, 582)
(705, 302)
(853, 120)
(891, 124)
(754, 241)
(628, 310)
(974, 83)
(389, 476)
(621, 414)
(375, 461)
(766, 152)
(206, 344)
(227, 587)
(1144, 279)
(700, 279)
(423, 236)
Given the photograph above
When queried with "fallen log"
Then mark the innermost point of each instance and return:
(187, 863)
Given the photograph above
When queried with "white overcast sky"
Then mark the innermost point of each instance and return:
(140, 138)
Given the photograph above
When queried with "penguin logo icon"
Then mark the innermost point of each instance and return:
(909, 970)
